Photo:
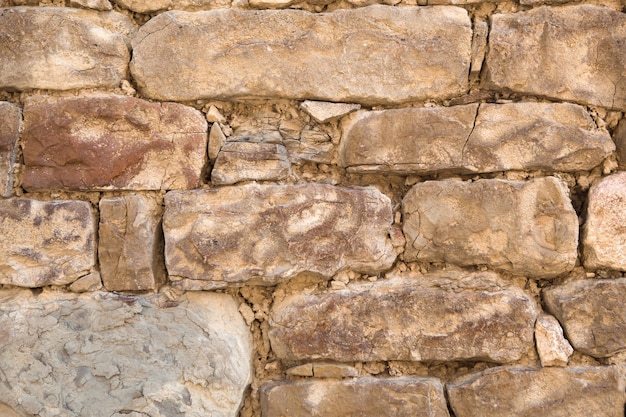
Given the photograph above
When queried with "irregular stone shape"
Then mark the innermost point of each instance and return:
(265, 234)
(479, 46)
(322, 111)
(619, 136)
(104, 141)
(150, 6)
(604, 232)
(10, 120)
(573, 53)
(106, 354)
(528, 228)
(458, 316)
(398, 397)
(473, 138)
(45, 242)
(131, 243)
(592, 313)
(334, 370)
(90, 282)
(552, 347)
(216, 140)
(549, 392)
(62, 48)
(92, 4)
(240, 161)
(347, 55)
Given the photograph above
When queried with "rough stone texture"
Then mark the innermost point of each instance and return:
(45, 242)
(472, 138)
(592, 313)
(479, 46)
(619, 136)
(62, 48)
(457, 316)
(106, 354)
(240, 161)
(397, 397)
(552, 347)
(150, 6)
(604, 232)
(92, 4)
(216, 140)
(323, 111)
(573, 53)
(106, 141)
(377, 54)
(259, 234)
(549, 392)
(90, 282)
(528, 228)
(131, 243)
(10, 119)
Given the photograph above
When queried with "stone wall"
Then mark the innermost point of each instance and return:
(325, 208)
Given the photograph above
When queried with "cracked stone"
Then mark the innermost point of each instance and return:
(10, 120)
(552, 347)
(241, 161)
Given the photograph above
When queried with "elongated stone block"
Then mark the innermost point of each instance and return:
(240, 161)
(372, 55)
(527, 228)
(470, 316)
(150, 6)
(10, 120)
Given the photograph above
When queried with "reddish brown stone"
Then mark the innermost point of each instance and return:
(10, 118)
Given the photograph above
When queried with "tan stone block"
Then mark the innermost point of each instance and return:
(10, 120)
(241, 161)
(552, 347)
(322, 111)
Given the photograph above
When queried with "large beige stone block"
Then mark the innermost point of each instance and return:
(10, 120)
(371, 55)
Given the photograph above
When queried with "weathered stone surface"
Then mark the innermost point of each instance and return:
(334, 370)
(112, 142)
(398, 397)
(474, 138)
(105, 355)
(90, 282)
(62, 48)
(479, 46)
(574, 53)
(471, 316)
(604, 232)
(347, 55)
(323, 111)
(45, 242)
(92, 4)
(619, 136)
(10, 119)
(216, 140)
(240, 161)
(528, 228)
(592, 313)
(549, 392)
(552, 347)
(266, 234)
(131, 243)
(150, 6)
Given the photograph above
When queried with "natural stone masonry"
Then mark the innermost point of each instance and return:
(550, 392)
(573, 53)
(457, 316)
(259, 234)
(240, 161)
(106, 141)
(552, 347)
(527, 228)
(372, 55)
(397, 397)
(604, 232)
(62, 48)
(109, 355)
(45, 242)
(592, 313)
(10, 119)
(131, 243)
(474, 138)
(150, 6)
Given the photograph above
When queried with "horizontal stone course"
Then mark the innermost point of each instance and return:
(10, 120)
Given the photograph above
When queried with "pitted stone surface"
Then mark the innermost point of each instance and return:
(106, 141)
(528, 228)
(574, 53)
(240, 161)
(62, 48)
(10, 119)
(107, 354)
(456, 316)
(45, 242)
(366, 397)
(372, 55)
(260, 234)
(550, 392)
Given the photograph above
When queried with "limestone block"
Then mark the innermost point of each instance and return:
(265, 234)
(604, 232)
(10, 120)
(474, 138)
(62, 48)
(552, 347)
(151, 6)
(106, 355)
(240, 161)
(367, 397)
(592, 313)
(372, 55)
(549, 392)
(45, 242)
(456, 316)
(322, 111)
(574, 53)
(131, 243)
(527, 228)
(105, 141)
